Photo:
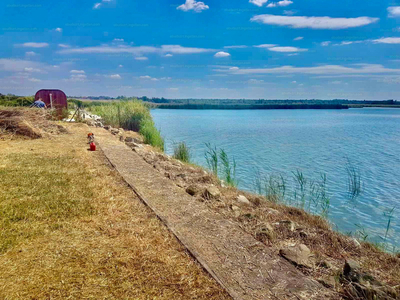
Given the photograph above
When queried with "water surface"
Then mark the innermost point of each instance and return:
(313, 141)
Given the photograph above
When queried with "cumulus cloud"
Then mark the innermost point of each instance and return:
(394, 11)
(388, 40)
(259, 3)
(196, 6)
(299, 38)
(280, 3)
(115, 76)
(30, 53)
(58, 29)
(34, 45)
(313, 22)
(168, 55)
(326, 43)
(77, 77)
(221, 54)
(77, 72)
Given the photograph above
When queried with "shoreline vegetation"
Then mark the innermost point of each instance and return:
(307, 193)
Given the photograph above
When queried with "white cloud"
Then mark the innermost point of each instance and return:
(34, 79)
(394, 11)
(77, 77)
(194, 5)
(388, 40)
(145, 77)
(35, 45)
(63, 46)
(319, 70)
(280, 3)
(289, 12)
(77, 72)
(287, 49)
(313, 22)
(58, 29)
(265, 46)
(221, 54)
(177, 49)
(299, 38)
(115, 76)
(259, 3)
(120, 66)
(326, 43)
(234, 68)
(96, 5)
(18, 65)
(30, 53)
(30, 69)
(235, 47)
(168, 55)
(118, 40)
(294, 81)
(255, 81)
(141, 58)
(139, 51)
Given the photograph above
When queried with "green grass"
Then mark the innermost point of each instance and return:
(182, 152)
(130, 115)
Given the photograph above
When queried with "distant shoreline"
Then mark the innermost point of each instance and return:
(244, 106)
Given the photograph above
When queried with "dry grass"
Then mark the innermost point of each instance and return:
(71, 228)
(29, 123)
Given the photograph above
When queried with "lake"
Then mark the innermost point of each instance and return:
(272, 142)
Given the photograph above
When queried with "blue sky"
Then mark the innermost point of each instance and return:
(275, 49)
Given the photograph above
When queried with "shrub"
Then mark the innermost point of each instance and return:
(182, 152)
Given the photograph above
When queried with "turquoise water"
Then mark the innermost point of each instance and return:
(313, 141)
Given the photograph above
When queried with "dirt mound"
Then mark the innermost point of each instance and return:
(27, 123)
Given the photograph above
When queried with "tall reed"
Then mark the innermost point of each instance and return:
(353, 180)
(130, 115)
(228, 168)
(211, 156)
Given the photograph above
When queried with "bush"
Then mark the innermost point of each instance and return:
(130, 115)
(182, 152)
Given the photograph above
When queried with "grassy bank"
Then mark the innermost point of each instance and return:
(131, 115)
(71, 228)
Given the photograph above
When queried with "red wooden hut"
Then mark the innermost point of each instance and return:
(53, 98)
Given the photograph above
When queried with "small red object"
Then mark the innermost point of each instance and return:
(92, 146)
